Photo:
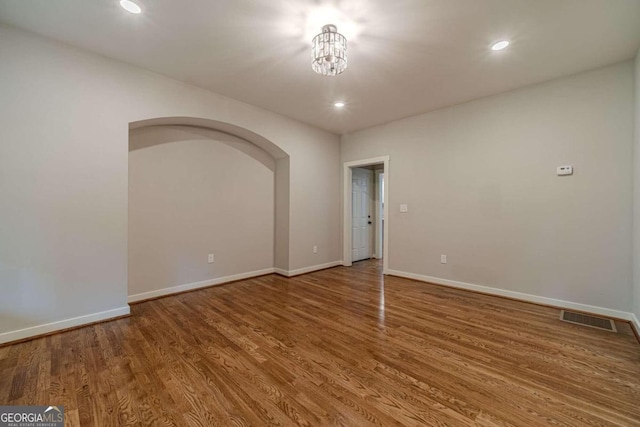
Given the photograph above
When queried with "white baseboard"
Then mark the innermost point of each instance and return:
(623, 315)
(636, 323)
(305, 270)
(46, 328)
(197, 285)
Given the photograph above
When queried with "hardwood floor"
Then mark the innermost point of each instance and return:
(336, 347)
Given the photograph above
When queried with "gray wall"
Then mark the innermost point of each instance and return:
(636, 197)
(63, 178)
(480, 181)
(193, 192)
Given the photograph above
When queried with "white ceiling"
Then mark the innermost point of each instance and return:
(405, 56)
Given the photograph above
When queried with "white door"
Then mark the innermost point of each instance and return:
(361, 214)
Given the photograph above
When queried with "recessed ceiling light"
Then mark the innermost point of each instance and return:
(339, 104)
(130, 6)
(500, 45)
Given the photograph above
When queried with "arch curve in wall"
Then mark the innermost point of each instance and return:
(268, 146)
(282, 180)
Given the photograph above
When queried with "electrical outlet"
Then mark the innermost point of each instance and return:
(404, 208)
(564, 170)
(315, 249)
(443, 259)
(210, 259)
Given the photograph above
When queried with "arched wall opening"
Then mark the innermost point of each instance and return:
(197, 188)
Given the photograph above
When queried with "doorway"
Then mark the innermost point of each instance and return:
(362, 230)
(365, 204)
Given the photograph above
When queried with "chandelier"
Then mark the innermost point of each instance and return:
(329, 52)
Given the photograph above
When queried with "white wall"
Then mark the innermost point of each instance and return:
(636, 198)
(193, 192)
(63, 177)
(480, 181)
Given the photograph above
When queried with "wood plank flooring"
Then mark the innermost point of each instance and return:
(338, 347)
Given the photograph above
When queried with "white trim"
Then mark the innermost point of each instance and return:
(635, 322)
(346, 203)
(379, 214)
(623, 315)
(197, 285)
(46, 328)
(305, 270)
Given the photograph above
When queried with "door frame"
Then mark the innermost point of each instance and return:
(379, 214)
(347, 208)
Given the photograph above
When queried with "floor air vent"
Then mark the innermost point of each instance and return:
(586, 320)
